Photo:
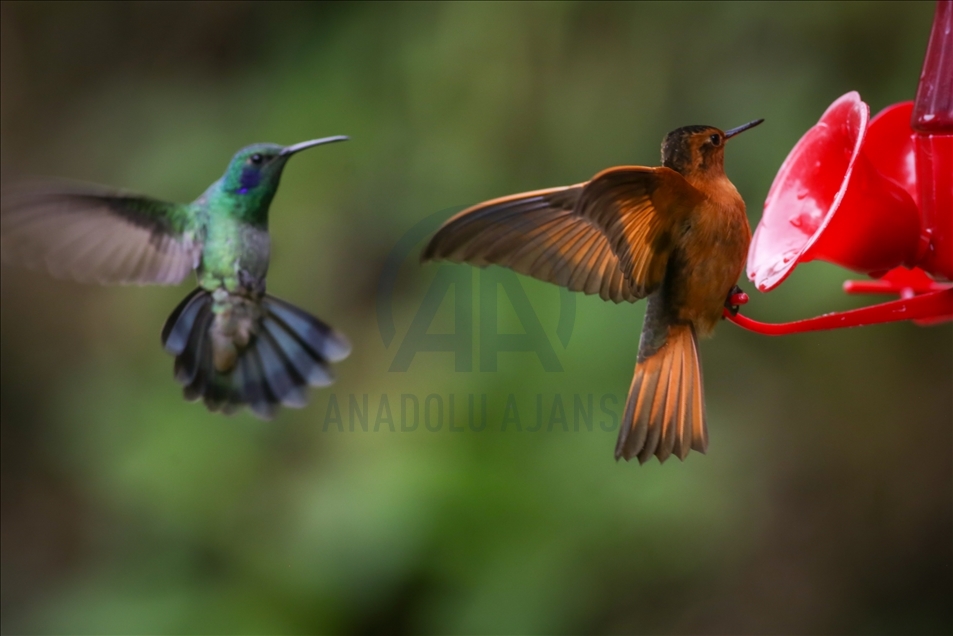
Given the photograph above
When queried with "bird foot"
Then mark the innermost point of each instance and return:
(735, 299)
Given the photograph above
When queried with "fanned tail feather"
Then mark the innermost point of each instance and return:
(665, 411)
(290, 351)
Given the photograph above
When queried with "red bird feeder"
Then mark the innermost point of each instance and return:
(874, 196)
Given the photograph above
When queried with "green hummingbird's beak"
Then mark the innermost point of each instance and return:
(304, 145)
(740, 129)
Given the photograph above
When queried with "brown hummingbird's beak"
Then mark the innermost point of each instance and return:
(740, 129)
(304, 145)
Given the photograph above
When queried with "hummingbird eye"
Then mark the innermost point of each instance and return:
(256, 158)
(715, 140)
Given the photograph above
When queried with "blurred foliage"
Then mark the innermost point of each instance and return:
(822, 507)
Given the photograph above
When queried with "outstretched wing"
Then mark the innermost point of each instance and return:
(537, 234)
(610, 236)
(94, 235)
(641, 211)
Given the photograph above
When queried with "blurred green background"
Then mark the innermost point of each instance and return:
(823, 506)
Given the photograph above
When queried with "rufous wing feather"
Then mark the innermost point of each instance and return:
(538, 234)
(641, 211)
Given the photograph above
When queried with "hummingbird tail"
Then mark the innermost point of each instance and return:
(289, 351)
(665, 411)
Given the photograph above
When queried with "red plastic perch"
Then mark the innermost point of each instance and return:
(928, 308)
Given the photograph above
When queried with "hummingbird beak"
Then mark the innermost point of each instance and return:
(740, 129)
(304, 145)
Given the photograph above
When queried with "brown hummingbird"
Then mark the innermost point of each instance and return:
(677, 234)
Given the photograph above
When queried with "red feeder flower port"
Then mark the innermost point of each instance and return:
(874, 196)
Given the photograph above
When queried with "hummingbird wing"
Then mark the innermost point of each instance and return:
(537, 234)
(94, 235)
(641, 211)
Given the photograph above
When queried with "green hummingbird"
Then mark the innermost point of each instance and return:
(233, 343)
